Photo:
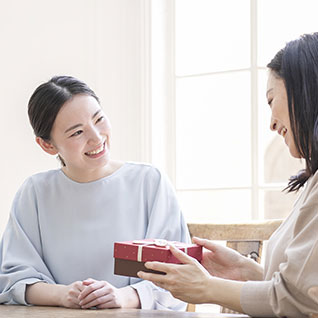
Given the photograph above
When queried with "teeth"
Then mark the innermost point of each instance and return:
(284, 131)
(95, 152)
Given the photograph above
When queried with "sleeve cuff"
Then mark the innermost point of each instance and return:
(144, 291)
(255, 299)
(153, 297)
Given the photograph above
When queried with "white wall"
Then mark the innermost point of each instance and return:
(101, 42)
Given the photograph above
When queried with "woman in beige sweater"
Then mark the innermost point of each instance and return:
(288, 284)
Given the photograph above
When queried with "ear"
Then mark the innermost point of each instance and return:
(46, 146)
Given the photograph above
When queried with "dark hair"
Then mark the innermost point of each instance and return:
(48, 99)
(297, 65)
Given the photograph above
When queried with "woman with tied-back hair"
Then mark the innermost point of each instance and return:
(288, 284)
(57, 248)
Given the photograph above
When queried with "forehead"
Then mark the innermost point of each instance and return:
(77, 109)
(275, 84)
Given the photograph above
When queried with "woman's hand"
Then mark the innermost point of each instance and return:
(224, 262)
(69, 297)
(44, 294)
(101, 294)
(192, 283)
(188, 281)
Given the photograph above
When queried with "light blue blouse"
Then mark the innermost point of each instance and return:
(61, 231)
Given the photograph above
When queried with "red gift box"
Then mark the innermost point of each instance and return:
(130, 256)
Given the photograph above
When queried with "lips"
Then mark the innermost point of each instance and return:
(96, 151)
(282, 131)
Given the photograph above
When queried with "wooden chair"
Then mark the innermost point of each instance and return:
(246, 238)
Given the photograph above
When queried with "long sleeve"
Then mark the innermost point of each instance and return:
(20, 249)
(54, 219)
(165, 221)
(292, 271)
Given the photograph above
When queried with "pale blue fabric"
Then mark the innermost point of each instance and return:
(61, 231)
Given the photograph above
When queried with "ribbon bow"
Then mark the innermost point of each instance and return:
(156, 242)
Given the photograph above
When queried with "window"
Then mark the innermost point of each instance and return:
(209, 63)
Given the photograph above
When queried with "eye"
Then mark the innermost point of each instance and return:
(270, 102)
(77, 133)
(101, 118)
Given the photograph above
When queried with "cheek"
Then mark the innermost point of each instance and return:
(70, 147)
(106, 128)
(275, 110)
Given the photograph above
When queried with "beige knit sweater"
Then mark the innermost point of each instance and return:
(290, 286)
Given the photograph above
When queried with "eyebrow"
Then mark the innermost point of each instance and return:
(79, 125)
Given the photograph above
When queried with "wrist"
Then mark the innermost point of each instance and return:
(46, 294)
(250, 269)
(59, 294)
(225, 292)
(130, 297)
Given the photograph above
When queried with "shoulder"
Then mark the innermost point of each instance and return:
(149, 174)
(310, 192)
(38, 181)
(46, 178)
(308, 211)
(144, 169)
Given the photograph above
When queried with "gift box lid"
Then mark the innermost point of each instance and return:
(154, 250)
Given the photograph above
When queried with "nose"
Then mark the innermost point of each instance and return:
(94, 136)
(273, 124)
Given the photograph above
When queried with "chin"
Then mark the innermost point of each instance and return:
(295, 154)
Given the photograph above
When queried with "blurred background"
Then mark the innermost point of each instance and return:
(182, 81)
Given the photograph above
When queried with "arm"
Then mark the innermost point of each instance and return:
(291, 292)
(165, 221)
(288, 290)
(21, 262)
(44, 294)
(192, 283)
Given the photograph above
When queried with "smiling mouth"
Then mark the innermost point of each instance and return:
(96, 151)
(283, 132)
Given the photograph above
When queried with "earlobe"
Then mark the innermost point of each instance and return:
(47, 146)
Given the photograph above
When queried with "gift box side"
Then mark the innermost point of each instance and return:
(130, 268)
(125, 250)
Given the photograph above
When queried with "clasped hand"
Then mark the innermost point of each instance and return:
(93, 293)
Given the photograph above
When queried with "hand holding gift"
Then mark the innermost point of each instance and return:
(130, 256)
(193, 279)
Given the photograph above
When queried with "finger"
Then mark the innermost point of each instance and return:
(93, 295)
(155, 278)
(77, 287)
(74, 292)
(89, 281)
(90, 288)
(97, 301)
(160, 266)
(205, 243)
(181, 256)
(108, 304)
